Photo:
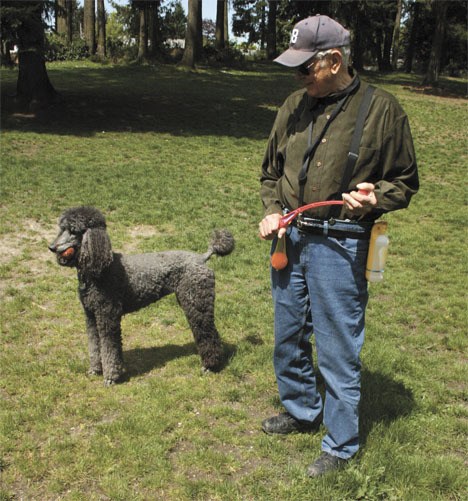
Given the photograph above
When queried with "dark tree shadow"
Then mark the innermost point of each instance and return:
(163, 99)
(140, 361)
(446, 87)
(169, 99)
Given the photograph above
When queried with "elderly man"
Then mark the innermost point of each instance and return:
(323, 289)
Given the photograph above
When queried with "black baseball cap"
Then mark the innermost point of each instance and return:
(310, 36)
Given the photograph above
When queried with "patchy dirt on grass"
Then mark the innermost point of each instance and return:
(29, 237)
(25, 255)
(135, 235)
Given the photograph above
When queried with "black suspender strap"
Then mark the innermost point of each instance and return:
(354, 147)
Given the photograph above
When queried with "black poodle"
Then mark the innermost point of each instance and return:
(111, 285)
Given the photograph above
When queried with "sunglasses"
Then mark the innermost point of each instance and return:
(304, 69)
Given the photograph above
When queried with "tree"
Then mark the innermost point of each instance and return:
(193, 36)
(226, 23)
(143, 31)
(271, 30)
(89, 20)
(396, 35)
(174, 21)
(414, 24)
(440, 14)
(154, 28)
(220, 17)
(101, 25)
(22, 22)
(64, 19)
(245, 20)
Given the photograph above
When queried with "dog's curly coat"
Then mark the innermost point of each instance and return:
(111, 285)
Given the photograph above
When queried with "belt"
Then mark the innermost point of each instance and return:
(334, 228)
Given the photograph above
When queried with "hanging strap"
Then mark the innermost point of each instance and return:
(354, 147)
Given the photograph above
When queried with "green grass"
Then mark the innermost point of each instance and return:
(168, 155)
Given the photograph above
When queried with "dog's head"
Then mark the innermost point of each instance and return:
(82, 241)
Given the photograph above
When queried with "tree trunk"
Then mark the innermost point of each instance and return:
(226, 23)
(64, 19)
(220, 6)
(440, 15)
(413, 36)
(89, 20)
(33, 86)
(101, 25)
(396, 36)
(193, 34)
(387, 48)
(377, 48)
(143, 34)
(358, 62)
(153, 36)
(271, 31)
(262, 27)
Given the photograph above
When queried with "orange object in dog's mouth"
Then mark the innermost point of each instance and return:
(68, 253)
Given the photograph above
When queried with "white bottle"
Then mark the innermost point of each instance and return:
(377, 255)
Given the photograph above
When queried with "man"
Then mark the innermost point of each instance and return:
(323, 289)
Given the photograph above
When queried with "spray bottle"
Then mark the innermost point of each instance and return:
(378, 247)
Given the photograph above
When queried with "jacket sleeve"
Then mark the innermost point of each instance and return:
(272, 170)
(399, 179)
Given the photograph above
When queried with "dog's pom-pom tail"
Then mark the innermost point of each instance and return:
(222, 243)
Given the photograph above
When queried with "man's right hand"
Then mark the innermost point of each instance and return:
(269, 227)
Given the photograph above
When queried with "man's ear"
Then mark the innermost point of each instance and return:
(336, 61)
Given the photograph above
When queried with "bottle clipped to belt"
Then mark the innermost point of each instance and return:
(378, 247)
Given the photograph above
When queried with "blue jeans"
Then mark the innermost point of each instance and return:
(323, 290)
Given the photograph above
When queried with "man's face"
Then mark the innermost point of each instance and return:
(321, 80)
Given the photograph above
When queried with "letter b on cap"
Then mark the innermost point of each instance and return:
(294, 35)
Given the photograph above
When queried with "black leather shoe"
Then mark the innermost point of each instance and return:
(325, 463)
(284, 423)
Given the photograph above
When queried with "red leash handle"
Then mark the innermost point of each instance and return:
(288, 218)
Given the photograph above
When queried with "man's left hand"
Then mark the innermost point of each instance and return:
(358, 203)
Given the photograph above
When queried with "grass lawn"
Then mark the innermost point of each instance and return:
(168, 155)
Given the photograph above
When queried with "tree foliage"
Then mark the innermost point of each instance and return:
(386, 34)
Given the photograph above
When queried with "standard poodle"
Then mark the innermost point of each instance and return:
(112, 284)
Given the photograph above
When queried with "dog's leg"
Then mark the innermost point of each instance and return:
(196, 295)
(95, 365)
(111, 348)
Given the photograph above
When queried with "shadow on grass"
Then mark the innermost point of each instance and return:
(383, 400)
(143, 360)
(169, 99)
(159, 99)
(447, 87)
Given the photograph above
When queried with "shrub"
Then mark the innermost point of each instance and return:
(56, 49)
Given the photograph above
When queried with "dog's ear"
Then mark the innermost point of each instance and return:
(95, 252)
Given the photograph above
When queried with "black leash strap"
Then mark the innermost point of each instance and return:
(354, 147)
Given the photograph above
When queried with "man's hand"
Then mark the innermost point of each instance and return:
(358, 203)
(269, 227)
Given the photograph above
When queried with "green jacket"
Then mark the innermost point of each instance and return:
(386, 154)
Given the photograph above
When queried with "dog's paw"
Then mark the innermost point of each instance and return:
(110, 382)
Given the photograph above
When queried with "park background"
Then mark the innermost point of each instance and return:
(169, 150)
